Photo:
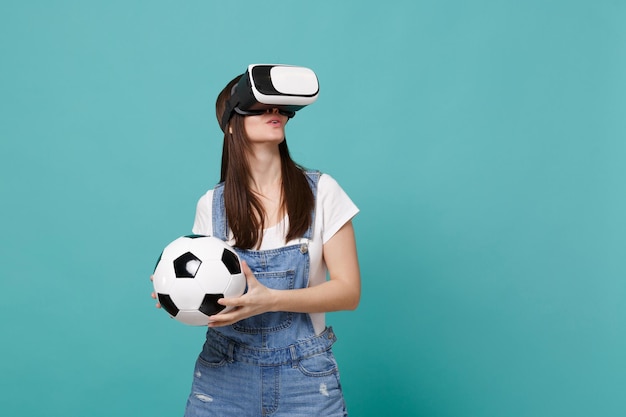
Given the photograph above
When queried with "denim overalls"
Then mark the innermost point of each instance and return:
(272, 364)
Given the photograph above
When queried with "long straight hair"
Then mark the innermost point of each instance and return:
(244, 211)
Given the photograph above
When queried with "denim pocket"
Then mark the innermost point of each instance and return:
(323, 364)
(211, 357)
(278, 280)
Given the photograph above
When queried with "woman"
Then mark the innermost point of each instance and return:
(271, 354)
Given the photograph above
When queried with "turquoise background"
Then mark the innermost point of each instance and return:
(484, 142)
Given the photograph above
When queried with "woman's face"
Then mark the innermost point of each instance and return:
(266, 127)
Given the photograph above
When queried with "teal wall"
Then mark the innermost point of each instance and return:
(484, 141)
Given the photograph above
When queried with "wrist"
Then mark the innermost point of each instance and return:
(274, 300)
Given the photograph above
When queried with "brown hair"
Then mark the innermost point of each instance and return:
(244, 210)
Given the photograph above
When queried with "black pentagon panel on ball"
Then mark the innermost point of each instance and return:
(195, 236)
(230, 260)
(210, 306)
(167, 304)
(186, 265)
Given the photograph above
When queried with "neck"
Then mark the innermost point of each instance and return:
(265, 169)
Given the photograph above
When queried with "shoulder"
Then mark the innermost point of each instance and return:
(328, 187)
(334, 207)
(327, 181)
(204, 212)
(206, 198)
(321, 183)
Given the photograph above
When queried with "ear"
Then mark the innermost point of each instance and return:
(230, 129)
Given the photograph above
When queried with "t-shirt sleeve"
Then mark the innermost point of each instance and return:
(334, 205)
(203, 223)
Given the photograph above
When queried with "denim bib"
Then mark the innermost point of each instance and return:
(284, 268)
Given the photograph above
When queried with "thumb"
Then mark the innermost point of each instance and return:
(250, 278)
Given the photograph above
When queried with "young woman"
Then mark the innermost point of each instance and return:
(271, 355)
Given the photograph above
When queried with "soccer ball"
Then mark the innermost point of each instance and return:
(192, 273)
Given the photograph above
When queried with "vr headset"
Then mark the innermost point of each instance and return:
(267, 86)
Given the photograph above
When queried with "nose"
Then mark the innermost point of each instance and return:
(273, 110)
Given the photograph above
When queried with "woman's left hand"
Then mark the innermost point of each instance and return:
(257, 300)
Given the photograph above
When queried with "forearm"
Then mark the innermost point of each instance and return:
(333, 295)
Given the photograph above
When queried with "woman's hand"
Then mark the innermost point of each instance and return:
(257, 300)
(153, 295)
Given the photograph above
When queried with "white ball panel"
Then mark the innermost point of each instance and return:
(236, 286)
(213, 277)
(186, 294)
(161, 278)
(192, 317)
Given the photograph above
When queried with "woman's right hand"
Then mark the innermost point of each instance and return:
(153, 295)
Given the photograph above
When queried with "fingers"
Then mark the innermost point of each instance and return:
(246, 269)
(232, 302)
(243, 299)
(255, 301)
(153, 294)
(250, 278)
(225, 319)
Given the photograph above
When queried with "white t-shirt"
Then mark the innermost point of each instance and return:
(333, 209)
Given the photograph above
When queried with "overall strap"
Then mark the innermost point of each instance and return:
(220, 226)
(313, 177)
